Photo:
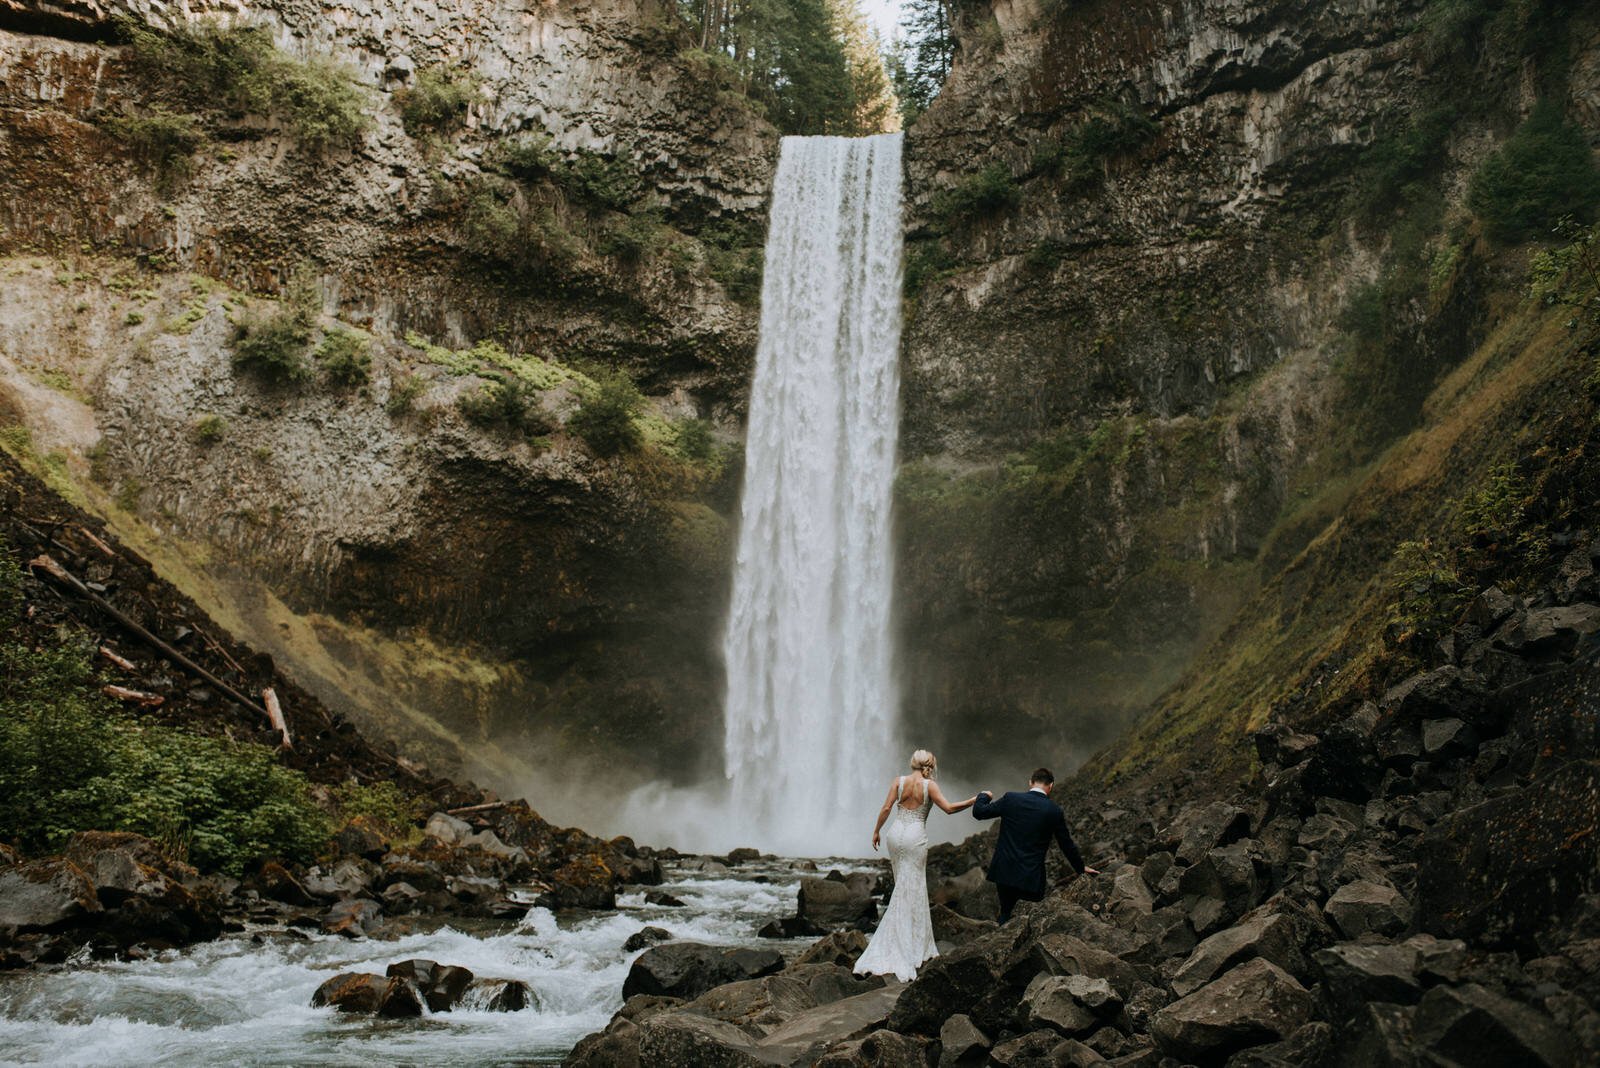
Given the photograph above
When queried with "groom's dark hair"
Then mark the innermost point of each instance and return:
(1043, 777)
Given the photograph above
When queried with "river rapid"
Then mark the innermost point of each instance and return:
(246, 998)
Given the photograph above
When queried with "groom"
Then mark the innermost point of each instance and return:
(1028, 821)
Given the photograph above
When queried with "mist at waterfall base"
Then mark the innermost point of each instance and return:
(811, 709)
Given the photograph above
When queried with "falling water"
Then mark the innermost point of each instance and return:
(811, 703)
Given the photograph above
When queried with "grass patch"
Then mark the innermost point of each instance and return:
(606, 420)
(987, 192)
(272, 341)
(436, 102)
(345, 357)
(209, 429)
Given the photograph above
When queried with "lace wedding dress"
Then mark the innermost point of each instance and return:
(904, 939)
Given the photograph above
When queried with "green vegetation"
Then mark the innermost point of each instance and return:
(605, 421)
(635, 239)
(345, 357)
(1397, 163)
(1570, 274)
(238, 69)
(501, 225)
(403, 394)
(436, 102)
(159, 139)
(71, 761)
(694, 441)
(133, 318)
(810, 66)
(600, 179)
(983, 193)
(920, 57)
(1078, 158)
(272, 342)
(1544, 172)
(505, 402)
(209, 429)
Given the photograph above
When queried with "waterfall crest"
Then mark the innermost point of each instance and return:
(812, 708)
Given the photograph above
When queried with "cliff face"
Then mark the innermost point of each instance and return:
(457, 581)
(1136, 382)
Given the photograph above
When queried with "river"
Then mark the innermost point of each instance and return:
(240, 1000)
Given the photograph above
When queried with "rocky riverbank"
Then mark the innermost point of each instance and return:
(1415, 884)
(125, 896)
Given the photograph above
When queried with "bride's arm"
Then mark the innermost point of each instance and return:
(883, 813)
(938, 799)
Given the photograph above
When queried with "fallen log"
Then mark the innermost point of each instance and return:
(269, 697)
(97, 543)
(137, 697)
(44, 562)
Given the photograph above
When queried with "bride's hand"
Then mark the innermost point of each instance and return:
(874, 841)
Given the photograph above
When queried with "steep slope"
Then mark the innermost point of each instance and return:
(1181, 274)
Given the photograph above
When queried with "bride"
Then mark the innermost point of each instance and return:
(905, 935)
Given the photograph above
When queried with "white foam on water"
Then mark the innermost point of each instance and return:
(237, 1002)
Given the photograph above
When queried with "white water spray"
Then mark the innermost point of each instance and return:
(811, 705)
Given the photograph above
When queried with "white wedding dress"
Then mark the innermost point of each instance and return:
(904, 939)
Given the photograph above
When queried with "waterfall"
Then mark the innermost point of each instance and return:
(811, 713)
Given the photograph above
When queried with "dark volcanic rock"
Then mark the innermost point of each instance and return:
(352, 918)
(880, 1049)
(497, 995)
(1198, 830)
(274, 881)
(831, 903)
(1503, 869)
(644, 937)
(1472, 1025)
(1362, 906)
(1270, 936)
(962, 1044)
(1255, 1003)
(440, 985)
(689, 969)
(353, 992)
(661, 897)
(1354, 974)
(1344, 765)
(946, 985)
(841, 947)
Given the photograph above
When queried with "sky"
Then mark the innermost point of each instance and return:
(882, 14)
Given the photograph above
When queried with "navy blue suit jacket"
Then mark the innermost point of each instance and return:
(1028, 822)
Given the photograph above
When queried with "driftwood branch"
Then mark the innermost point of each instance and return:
(269, 697)
(137, 697)
(121, 661)
(97, 543)
(486, 807)
(49, 566)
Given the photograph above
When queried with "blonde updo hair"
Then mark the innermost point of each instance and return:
(925, 762)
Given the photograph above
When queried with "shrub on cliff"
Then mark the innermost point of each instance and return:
(505, 402)
(983, 193)
(605, 421)
(345, 357)
(238, 68)
(159, 139)
(272, 342)
(1544, 172)
(436, 102)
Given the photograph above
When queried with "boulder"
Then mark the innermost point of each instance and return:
(1220, 888)
(1307, 1046)
(946, 985)
(828, 983)
(664, 899)
(971, 894)
(400, 898)
(1269, 936)
(683, 1040)
(880, 1049)
(1129, 898)
(791, 927)
(950, 928)
(1471, 1025)
(841, 948)
(1501, 870)
(274, 881)
(45, 893)
(1071, 1004)
(961, 1043)
(1063, 954)
(1197, 831)
(353, 918)
(1549, 631)
(353, 992)
(1354, 974)
(645, 937)
(447, 828)
(756, 1005)
(742, 855)
(1443, 692)
(441, 986)
(689, 969)
(1036, 1049)
(351, 877)
(361, 838)
(1253, 1004)
(497, 995)
(832, 904)
(1344, 764)
(1447, 738)
(1362, 906)
(584, 882)
(1280, 744)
